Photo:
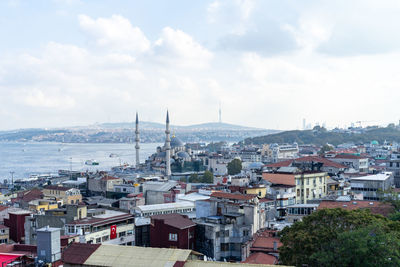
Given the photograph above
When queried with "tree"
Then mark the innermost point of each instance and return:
(325, 148)
(367, 246)
(194, 178)
(208, 177)
(338, 237)
(234, 167)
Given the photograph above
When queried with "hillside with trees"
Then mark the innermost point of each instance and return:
(321, 136)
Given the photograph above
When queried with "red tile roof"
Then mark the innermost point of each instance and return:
(265, 243)
(233, 196)
(347, 156)
(285, 163)
(279, 178)
(261, 258)
(326, 162)
(30, 195)
(175, 220)
(78, 253)
(375, 206)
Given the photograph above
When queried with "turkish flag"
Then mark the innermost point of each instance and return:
(113, 232)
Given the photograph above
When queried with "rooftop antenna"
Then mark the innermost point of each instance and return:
(219, 112)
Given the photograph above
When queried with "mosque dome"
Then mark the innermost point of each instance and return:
(183, 155)
(176, 142)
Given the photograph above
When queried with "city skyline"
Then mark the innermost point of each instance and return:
(268, 64)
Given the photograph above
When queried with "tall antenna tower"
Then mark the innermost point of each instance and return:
(219, 113)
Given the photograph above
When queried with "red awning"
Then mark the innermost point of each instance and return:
(6, 258)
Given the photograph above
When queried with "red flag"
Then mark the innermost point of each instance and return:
(113, 232)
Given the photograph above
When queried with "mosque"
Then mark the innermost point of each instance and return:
(174, 151)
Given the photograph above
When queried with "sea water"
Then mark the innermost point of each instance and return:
(25, 159)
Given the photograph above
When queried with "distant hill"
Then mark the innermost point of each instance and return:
(123, 132)
(321, 137)
(155, 125)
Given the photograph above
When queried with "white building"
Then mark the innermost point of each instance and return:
(360, 164)
(182, 207)
(371, 185)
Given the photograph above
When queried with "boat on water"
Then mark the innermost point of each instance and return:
(113, 155)
(91, 162)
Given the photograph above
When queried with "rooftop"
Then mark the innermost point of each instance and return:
(164, 206)
(375, 207)
(78, 253)
(325, 161)
(261, 258)
(56, 187)
(375, 177)
(348, 156)
(233, 196)
(175, 220)
(279, 178)
(108, 217)
(113, 255)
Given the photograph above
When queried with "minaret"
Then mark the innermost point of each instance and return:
(137, 139)
(167, 148)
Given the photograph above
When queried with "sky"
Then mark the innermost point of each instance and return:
(269, 64)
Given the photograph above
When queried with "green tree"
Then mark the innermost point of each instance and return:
(323, 235)
(208, 177)
(234, 167)
(194, 178)
(325, 148)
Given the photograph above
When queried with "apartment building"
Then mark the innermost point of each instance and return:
(372, 186)
(66, 195)
(104, 226)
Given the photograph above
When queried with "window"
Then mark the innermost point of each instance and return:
(224, 246)
(173, 237)
(259, 193)
(129, 232)
(121, 234)
(105, 238)
(98, 240)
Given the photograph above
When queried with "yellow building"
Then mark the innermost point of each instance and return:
(310, 185)
(42, 205)
(260, 191)
(66, 194)
(4, 234)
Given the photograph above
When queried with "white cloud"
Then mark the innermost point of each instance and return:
(38, 98)
(115, 33)
(177, 47)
